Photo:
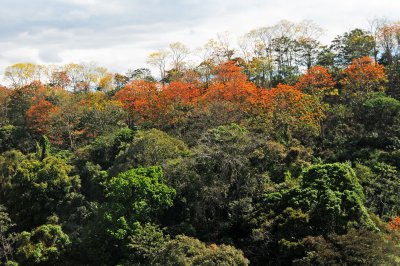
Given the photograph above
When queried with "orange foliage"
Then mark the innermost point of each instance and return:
(394, 228)
(175, 101)
(231, 85)
(363, 75)
(4, 97)
(317, 81)
(290, 106)
(179, 93)
(38, 116)
(139, 98)
(394, 224)
(229, 71)
(229, 93)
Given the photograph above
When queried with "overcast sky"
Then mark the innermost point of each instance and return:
(119, 34)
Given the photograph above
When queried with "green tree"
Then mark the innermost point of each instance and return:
(6, 237)
(45, 245)
(184, 250)
(351, 45)
(148, 148)
(328, 200)
(132, 200)
(357, 247)
(41, 188)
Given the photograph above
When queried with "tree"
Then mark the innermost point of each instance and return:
(140, 74)
(353, 45)
(45, 245)
(316, 81)
(149, 148)
(380, 182)
(357, 247)
(231, 85)
(133, 199)
(58, 77)
(340, 198)
(38, 116)
(145, 244)
(100, 115)
(41, 188)
(159, 59)
(20, 100)
(328, 200)
(185, 250)
(363, 76)
(4, 99)
(219, 170)
(6, 239)
(291, 111)
(139, 99)
(178, 52)
(65, 122)
(137, 195)
(22, 74)
(380, 116)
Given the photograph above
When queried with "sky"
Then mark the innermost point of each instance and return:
(120, 34)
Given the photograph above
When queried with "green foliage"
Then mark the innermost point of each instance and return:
(45, 245)
(138, 195)
(148, 148)
(219, 170)
(380, 116)
(132, 200)
(104, 149)
(381, 186)
(144, 244)
(6, 238)
(185, 250)
(339, 199)
(40, 188)
(351, 45)
(15, 137)
(357, 247)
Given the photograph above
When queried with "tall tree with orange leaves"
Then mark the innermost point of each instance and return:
(316, 81)
(177, 100)
(140, 101)
(4, 98)
(362, 77)
(291, 111)
(38, 116)
(231, 85)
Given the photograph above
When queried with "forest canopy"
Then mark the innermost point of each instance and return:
(279, 150)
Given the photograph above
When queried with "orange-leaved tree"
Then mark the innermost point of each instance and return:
(363, 76)
(292, 111)
(140, 100)
(4, 98)
(231, 85)
(38, 116)
(316, 81)
(394, 226)
(175, 101)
